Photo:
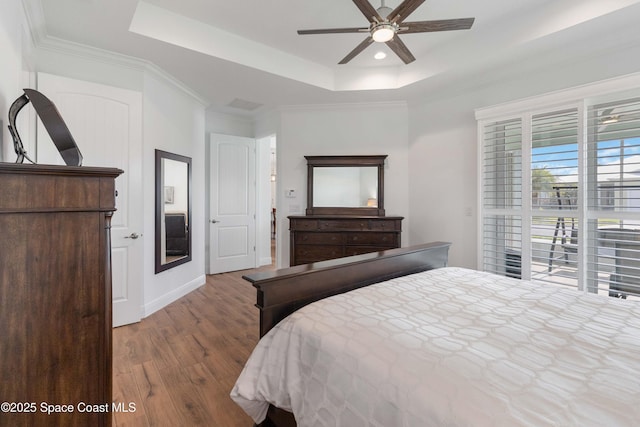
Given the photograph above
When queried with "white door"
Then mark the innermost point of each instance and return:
(232, 199)
(106, 123)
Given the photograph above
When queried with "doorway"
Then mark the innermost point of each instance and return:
(273, 179)
(242, 203)
(267, 212)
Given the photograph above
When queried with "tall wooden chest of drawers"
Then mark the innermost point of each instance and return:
(55, 294)
(319, 237)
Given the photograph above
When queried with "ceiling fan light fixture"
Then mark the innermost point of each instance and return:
(382, 33)
(385, 23)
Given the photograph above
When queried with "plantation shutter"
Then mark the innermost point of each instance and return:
(502, 197)
(560, 196)
(554, 197)
(613, 170)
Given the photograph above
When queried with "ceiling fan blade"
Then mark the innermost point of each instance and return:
(362, 46)
(368, 10)
(403, 10)
(439, 25)
(400, 49)
(607, 112)
(334, 30)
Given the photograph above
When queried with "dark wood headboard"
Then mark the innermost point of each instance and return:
(281, 292)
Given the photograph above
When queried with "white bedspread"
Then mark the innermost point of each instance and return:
(451, 347)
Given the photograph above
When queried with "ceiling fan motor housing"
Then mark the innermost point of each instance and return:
(384, 11)
(383, 32)
(386, 25)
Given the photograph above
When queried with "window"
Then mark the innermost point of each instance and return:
(502, 190)
(560, 196)
(613, 202)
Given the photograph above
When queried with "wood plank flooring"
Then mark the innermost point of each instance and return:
(178, 365)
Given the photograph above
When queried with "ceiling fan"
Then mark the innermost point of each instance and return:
(386, 24)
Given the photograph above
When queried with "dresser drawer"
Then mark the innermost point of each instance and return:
(316, 238)
(324, 237)
(305, 254)
(385, 225)
(378, 239)
(343, 224)
(303, 224)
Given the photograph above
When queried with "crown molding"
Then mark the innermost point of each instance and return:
(34, 15)
(79, 50)
(42, 41)
(162, 75)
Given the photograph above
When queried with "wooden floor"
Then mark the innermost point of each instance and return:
(178, 365)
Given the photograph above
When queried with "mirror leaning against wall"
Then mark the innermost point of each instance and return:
(173, 210)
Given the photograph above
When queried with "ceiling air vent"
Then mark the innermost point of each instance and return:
(244, 105)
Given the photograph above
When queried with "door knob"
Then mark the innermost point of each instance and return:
(133, 236)
(213, 221)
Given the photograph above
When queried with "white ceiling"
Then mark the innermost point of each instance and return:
(249, 50)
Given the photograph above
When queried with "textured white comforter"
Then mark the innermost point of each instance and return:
(451, 347)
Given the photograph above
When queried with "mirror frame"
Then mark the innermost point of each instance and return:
(161, 155)
(345, 161)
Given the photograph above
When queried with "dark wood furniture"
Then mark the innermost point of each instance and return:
(281, 292)
(55, 293)
(322, 237)
(177, 234)
(316, 163)
(172, 245)
(345, 211)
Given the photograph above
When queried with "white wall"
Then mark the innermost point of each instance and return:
(229, 124)
(174, 122)
(442, 179)
(443, 144)
(15, 67)
(369, 129)
(10, 46)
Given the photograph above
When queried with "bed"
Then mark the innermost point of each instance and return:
(397, 338)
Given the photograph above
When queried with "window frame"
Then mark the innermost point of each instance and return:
(616, 90)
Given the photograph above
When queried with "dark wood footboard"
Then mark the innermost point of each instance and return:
(281, 292)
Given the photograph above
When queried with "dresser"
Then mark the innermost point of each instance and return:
(322, 237)
(55, 294)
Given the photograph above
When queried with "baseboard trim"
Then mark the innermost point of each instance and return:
(169, 297)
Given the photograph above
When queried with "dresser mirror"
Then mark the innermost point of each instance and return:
(345, 185)
(173, 210)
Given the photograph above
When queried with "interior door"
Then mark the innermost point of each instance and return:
(232, 219)
(106, 123)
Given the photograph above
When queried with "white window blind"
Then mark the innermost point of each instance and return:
(502, 165)
(554, 197)
(502, 197)
(502, 236)
(577, 223)
(613, 171)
